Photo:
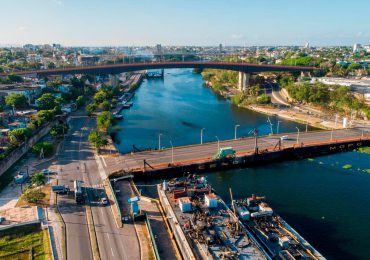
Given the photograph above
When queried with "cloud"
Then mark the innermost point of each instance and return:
(22, 28)
(237, 36)
(58, 2)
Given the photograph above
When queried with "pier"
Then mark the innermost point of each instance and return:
(249, 151)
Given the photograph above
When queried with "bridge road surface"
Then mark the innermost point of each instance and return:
(128, 162)
(76, 162)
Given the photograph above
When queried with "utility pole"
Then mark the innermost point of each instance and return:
(171, 152)
(255, 133)
(297, 134)
(218, 144)
(159, 142)
(277, 127)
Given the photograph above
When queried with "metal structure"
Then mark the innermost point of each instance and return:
(128, 67)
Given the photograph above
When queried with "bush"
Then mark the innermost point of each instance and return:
(90, 109)
(34, 195)
(19, 135)
(104, 120)
(96, 140)
(237, 99)
(16, 100)
(105, 105)
(264, 99)
(38, 179)
(59, 130)
(46, 147)
(80, 101)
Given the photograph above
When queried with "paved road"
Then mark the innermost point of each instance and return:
(207, 150)
(76, 161)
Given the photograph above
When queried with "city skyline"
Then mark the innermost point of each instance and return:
(236, 23)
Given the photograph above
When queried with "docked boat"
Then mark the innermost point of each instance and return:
(203, 225)
(118, 116)
(279, 239)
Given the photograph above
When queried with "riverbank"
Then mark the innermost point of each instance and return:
(290, 114)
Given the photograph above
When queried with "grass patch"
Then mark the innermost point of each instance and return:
(25, 245)
(45, 202)
(347, 166)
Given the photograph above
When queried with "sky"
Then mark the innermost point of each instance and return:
(185, 22)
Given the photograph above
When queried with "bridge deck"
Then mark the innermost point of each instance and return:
(186, 155)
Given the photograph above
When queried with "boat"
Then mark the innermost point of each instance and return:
(118, 116)
(279, 239)
(203, 225)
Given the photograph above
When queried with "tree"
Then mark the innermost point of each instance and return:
(51, 65)
(96, 140)
(90, 108)
(14, 78)
(354, 66)
(80, 101)
(38, 179)
(59, 130)
(104, 120)
(46, 147)
(264, 99)
(45, 115)
(19, 135)
(16, 100)
(100, 96)
(105, 105)
(46, 101)
(34, 195)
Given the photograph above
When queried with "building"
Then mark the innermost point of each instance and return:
(31, 92)
(357, 47)
(87, 59)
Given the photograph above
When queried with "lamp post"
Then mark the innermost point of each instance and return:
(277, 126)
(236, 127)
(171, 152)
(218, 144)
(159, 142)
(201, 135)
(297, 134)
(306, 126)
(269, 121)
(331, 134)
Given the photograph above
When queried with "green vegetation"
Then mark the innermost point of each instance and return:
(254, 95)
(334, 97)
(80, 101)
(90, 108)
(16, 100)
(364, 150)
(25, 243)
(59, 130)
(97, 140)
(46, 147)
(104, 121)
(347, 166)
(46, 101)
(19, 135)
(38, 179)
(105, 105)
(13, 78)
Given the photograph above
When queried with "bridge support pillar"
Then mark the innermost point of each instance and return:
(114, 80)
(243, 80)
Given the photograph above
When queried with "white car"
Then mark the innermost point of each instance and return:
(46, 171)
(104, 201)
(284, 137)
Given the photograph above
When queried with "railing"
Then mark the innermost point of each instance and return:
(152, 238)
(116, 202)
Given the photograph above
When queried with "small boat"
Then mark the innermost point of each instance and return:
(118, 116)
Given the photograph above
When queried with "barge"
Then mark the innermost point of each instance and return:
(279, 239)
(203, 225)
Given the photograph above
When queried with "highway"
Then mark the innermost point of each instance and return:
(129, 162)
(76, 161)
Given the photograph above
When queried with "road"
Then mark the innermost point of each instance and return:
(207, 150)
(76, 161)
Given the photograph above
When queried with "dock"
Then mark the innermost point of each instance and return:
(249, 151)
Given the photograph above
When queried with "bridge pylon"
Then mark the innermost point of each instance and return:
(243, 82)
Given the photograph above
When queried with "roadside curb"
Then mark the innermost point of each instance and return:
(92, 233)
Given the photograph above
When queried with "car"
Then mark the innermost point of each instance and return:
(104, 201)
(46, 171)
(284, 137)
(2, 219)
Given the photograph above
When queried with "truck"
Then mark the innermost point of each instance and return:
(79, 195)
(224, 153)
(60, 189)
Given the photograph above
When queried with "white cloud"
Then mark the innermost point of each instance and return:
(22, 28)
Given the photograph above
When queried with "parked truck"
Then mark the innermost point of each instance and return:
(224, 153)
(60, 189)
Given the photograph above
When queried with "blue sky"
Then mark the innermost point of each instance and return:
(185, 22)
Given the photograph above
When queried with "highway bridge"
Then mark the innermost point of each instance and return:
(128, 67)
(197, 158)
(245, 69)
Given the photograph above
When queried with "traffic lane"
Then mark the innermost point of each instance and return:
(193, 152)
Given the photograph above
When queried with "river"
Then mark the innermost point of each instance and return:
(327, 204)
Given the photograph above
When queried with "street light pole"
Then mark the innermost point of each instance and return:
(306, 126)
(218, 144)
(297, 134)
(331, 134)
(159, 142)
(277, 127)
(201, 135)
(236, 127)
(171, 152)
